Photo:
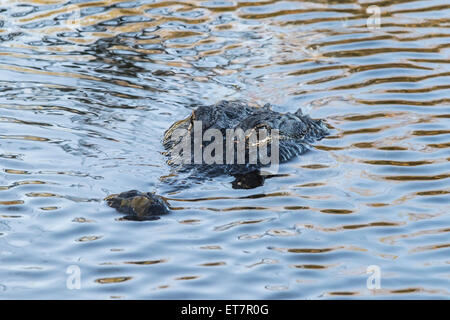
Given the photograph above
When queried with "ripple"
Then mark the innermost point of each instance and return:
(187, 278)
(88, 238)
(307, 250)
(113, 280)
(11, 202)
(147, 262)
(238, 223)
(84, 105)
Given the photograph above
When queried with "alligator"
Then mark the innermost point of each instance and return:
(230, 137)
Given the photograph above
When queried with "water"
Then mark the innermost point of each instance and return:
(84, 104)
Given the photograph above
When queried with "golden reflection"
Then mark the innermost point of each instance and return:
(364, 145)
(52, 208)
(310, 266)
(429, 132)
(187, 278)
(41, 194)
(377, 204)
(165, 286)
(48, 73)
(213, 264)
(88, 238)
(398, 163)
(417, 178)
(11, 202)
(296, 208)
(420, 90)
(307, 250)
(394, 238)
(432, 192)
(242, 208)
(430, 247)
(392, 148)
(30, 138)
(343, 293)
(405, 102)
(281, 233)
(408, 290)
(113, 280)
(147, 262)
(336, 211)
(439, 145)
(238, 223)
(190, 221)
(351, 226)
(211, 247)
(250, 236)
(315, 166)
(8, 216)
(391, 79)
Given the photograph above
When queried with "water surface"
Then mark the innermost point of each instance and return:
(87, 89)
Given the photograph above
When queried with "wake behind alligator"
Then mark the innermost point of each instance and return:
(230, 137)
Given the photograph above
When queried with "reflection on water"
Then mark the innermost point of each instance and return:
(88, 87)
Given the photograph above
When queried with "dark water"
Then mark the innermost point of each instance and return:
(84, 104)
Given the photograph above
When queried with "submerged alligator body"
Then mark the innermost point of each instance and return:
(230, 137)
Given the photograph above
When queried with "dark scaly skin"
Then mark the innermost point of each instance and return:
(296, 131)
